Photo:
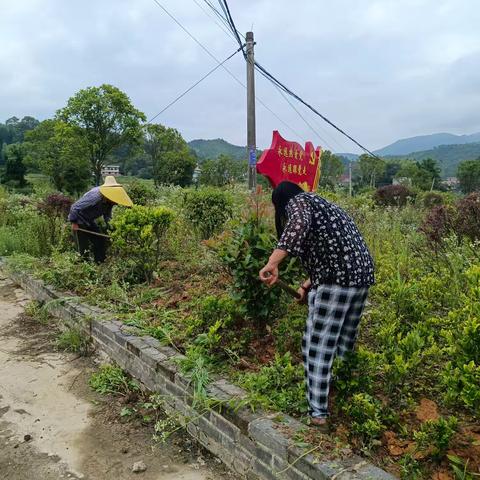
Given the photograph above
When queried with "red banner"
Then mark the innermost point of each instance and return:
(286, 160)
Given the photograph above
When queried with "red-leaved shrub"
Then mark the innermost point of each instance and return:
(393, 195)
(468, 216)
(439, 223)
(55, 205)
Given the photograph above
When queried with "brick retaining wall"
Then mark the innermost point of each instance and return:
(251, 444)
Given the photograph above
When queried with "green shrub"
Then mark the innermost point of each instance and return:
(207, 209)
(431, 199)
(138, 238)
(365, 413)
(279, 386)
(244, 253)
(436, 435)
(68, 271)
(141, 193)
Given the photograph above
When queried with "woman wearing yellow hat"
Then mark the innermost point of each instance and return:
(96, 203)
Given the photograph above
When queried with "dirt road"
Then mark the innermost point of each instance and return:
(53, 427)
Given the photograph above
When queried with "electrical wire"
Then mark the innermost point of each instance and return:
(223, 66)
(194, 85)
(227, 32)
(279, 84)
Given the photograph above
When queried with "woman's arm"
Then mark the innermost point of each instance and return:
(269, 273)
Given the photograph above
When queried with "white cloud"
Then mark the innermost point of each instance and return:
(382, 69)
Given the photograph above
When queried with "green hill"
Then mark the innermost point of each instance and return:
(426, 142)
(214, 148)
(448, 156)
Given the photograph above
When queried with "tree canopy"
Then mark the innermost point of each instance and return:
(59, 151)
(171, 159)
(331, 169)
(106, 119)
(468, 175)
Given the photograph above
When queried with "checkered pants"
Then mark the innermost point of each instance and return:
(331, 330)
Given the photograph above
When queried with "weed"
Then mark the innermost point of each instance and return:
(73, 340)
(112, 380)
(278, 386)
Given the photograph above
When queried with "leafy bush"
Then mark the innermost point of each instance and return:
(54, 209)
(138, 238)
(207, 209)
(365, 413)
(468, 219)
(435, 436)
(439, 223)
(279, 386)
(141, 193)
(244, 253)
(431, 199)
(67, 271)
(393, 195)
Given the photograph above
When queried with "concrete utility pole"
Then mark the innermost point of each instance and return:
(251, 135)
(350, 178)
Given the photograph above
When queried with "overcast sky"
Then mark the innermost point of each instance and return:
(381, 69)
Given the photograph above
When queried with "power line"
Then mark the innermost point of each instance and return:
(220, 63)
(194, 85)
(228, 32)
(282, 86)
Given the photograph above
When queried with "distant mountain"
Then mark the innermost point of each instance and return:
(426, 142)
(447, 156)
(216, 147)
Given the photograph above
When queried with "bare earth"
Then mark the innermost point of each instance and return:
(53, 427)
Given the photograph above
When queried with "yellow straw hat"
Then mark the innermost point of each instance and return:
(114, 192)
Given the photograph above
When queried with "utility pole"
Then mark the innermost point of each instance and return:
(251, 135)
(350, 178)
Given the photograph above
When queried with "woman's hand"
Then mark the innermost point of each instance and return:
(302, 295)
(269, 274)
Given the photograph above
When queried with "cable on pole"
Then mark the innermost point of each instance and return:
(194, 85)
(279, 84)
(220, 63)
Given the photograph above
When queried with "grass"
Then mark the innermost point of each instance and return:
(74, 341)
(417, 338)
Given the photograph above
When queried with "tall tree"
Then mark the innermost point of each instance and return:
(429, 177)
(60, 151)
(172, 161)
(331, 169)
(371, 169)
(15, 169)
(106, 119)
(468, 174)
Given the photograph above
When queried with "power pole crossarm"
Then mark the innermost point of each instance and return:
(251, 133)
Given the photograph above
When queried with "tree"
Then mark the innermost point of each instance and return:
(222, 171)
(60, 151)
(331, 169)
(371, 169)
(391, 170)
(430, 173)
(15, 169)
(468, 174)
(172, 161)
(106, 119)
(424, 175)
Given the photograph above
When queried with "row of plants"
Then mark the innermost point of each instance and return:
(183, 268)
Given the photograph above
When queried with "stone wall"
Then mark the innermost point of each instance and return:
(255, 445)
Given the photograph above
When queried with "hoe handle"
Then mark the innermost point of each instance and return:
(91, 233)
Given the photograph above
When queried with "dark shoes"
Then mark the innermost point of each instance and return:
(321, 424)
